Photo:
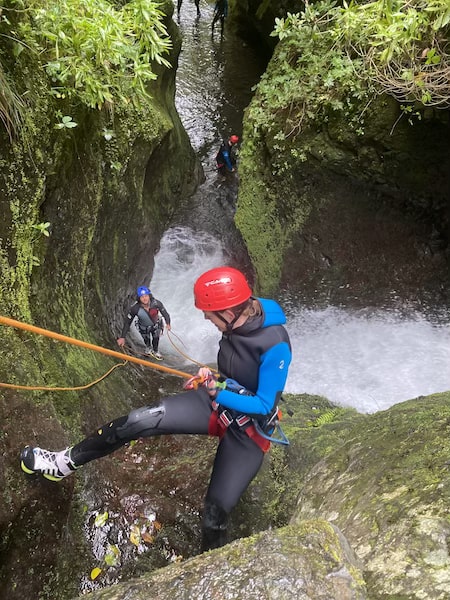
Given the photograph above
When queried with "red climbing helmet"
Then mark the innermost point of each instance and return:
(234, 139)
(221, 288)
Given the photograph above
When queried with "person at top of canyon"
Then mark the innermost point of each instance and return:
(238, 403)
(197, 5)
(220, 14)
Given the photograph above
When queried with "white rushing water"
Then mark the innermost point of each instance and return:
(367, 359)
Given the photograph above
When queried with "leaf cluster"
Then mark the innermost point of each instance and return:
(404, 44)
(95, 52)
(336, 58)
(311, 76)
(10, 104)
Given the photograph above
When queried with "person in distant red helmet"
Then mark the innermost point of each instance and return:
(239, 405)
(225, 157)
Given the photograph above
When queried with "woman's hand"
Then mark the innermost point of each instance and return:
(208, 380)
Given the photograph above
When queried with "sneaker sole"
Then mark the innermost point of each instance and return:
(23, 466)
(51, 478)
(26, 470)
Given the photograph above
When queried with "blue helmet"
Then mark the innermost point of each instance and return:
(142, 291)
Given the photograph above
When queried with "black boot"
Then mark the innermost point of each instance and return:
(213, 538)
(214, 527)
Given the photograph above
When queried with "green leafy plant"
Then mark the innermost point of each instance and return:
(315, 77)
(66, 123)
(404, 45)
(327, 417)
(338, 58)
(108, 134)
(11, 105)
(42, 228)
(38, 230)
(96, 52)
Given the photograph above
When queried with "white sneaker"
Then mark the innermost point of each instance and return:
(157, 355)
(52, 465)
(148, 351)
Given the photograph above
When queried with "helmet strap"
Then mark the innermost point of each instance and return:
(230, 324)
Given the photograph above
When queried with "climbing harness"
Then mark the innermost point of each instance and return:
(275, 427)
(266, 429)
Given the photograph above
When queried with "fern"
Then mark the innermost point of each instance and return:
(327, 417)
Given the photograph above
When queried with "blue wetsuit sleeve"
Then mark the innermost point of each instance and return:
(226, 158)
(273, 372)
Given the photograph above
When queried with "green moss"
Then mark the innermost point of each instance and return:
(271, 209)
(107, 209)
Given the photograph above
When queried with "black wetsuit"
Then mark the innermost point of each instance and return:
(150, 324)
(197, 4)
(220, 12)
(257, 355)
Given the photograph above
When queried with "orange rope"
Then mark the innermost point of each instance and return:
(75, 342)
(199, 364)
(13, 386)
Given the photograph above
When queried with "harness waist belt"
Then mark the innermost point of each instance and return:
(226, 417)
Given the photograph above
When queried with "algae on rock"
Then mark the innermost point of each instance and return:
(107, 186)
(317, 132)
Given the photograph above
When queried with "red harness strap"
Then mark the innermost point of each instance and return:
(258, 439)
(219, 423)
(215, 426)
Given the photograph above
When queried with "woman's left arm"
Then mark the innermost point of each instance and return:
(273, 372)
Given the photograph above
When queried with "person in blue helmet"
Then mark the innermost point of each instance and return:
(148, 311)
(238, 404)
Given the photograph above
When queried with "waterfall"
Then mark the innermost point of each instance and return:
(366, 359)
(182, 258)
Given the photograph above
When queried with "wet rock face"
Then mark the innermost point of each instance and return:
(311, 560)
(107, 202)
(295, 182)
(371, 209)
(254, 20)
(358, 252)
(388, 488)
(143, 506)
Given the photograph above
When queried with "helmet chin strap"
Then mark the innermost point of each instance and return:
(228, 324)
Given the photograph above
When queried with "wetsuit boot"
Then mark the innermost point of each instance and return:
(214, 527)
